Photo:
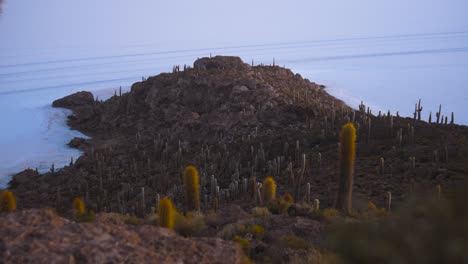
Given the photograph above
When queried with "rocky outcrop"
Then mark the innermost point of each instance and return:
(75, 100)
(41, 236)
(220, 63)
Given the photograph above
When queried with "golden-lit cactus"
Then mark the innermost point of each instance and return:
(166, 212)
(269, 190)
(192, 192)
(7, 201)
(288, 198)
(78, 206)
(345, 182)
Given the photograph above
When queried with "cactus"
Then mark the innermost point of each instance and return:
(166, 213)
(413, 162)
(316, 205)
(288, 198)
(7, 201)
(438, 114)
(269, 190)
(368, 129)
(344, 196)
(419, 109)
(382, 166)
(452, 119)
(215, 204)
(389, 201)
(253, 187)
(78, 206)
(192, 191)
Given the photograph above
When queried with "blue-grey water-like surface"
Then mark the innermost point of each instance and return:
(386, 72)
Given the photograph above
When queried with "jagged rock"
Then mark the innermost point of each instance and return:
(41, 236)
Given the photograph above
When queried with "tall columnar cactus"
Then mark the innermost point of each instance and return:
(438, 114)
(269, 190)
(166, 212)
(382, 166)
(78, 206)
(345, 187)
(7, 201)
(192, 191)
(389, 201)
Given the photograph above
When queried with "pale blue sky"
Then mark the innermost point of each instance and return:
(27, 24)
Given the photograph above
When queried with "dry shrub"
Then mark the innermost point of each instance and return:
(260, 212)
(131, 220)
(279, 206)
(257, 231)
(293, 242)
(243, 243)
(190, 225)
(329, 215)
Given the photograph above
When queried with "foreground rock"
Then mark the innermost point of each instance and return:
(40, 236)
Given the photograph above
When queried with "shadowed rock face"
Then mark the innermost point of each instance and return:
(40, 236)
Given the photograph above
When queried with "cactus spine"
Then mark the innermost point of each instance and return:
(79, 206)
(7, 201)
(269, 190)
(166, 213)
(192, 191)
(345, 187)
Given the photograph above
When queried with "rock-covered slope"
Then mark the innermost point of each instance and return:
(236, 122)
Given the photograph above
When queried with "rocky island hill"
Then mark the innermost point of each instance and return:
(237, 124)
